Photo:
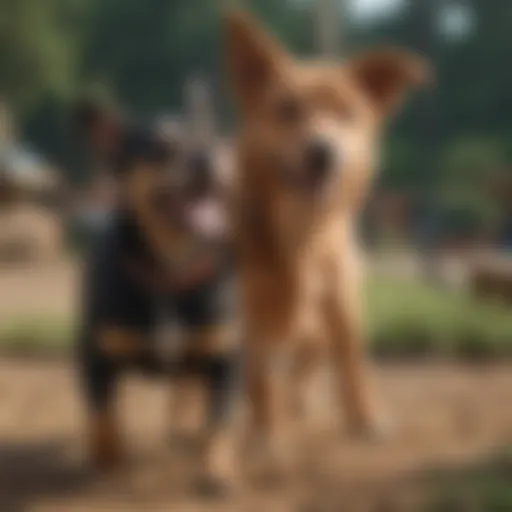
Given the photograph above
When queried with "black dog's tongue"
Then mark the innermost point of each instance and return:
(207, 218)
(203, 217)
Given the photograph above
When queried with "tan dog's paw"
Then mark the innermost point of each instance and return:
(183, 441)
(219, 472)
(213, 485)
(275, 461)
(374, 430)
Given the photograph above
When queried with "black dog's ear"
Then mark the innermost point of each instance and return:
(99, 126)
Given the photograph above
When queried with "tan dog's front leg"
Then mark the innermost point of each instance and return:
(267, 374)
(344, 320)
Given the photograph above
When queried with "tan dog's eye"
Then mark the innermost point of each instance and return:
(289, 111)
(336, 103)
(347, 112)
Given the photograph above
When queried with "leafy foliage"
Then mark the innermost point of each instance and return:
(417, 319)
(143, 53)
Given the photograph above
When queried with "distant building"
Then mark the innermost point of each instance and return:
(23, 173)
(28, 229)
(501, 190)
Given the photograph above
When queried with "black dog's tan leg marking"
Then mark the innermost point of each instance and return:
(118, 342)
(217, 347)
(188, 393)
(110, 345)
(105, 445)
(186, 406)
(214, 340)
(219, 457)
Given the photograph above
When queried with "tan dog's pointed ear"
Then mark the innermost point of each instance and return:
(253, 57)
(386, 76)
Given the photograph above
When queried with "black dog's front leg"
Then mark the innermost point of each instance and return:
(223, 374)
(99, 379)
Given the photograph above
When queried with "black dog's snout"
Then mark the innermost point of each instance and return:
(200, 172)
(319, 158)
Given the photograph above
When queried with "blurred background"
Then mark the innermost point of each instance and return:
(438, 226)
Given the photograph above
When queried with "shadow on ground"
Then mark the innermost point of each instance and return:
(31, 472)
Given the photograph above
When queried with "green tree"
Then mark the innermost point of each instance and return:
(37, 49)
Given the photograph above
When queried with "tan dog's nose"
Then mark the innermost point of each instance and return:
(319, 160)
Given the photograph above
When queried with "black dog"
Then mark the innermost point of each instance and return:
(166, 247)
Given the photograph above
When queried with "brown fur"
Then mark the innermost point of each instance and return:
(298, 257)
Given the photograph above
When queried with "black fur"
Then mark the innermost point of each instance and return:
(114, 297)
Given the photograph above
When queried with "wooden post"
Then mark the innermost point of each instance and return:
(421, 23)
(328, 26)
(199, 109)
(6, 126)
(6, 135)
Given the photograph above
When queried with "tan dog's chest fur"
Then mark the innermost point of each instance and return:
(285, 290)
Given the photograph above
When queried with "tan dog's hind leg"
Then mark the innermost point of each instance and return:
(259, 391)
(304, 364)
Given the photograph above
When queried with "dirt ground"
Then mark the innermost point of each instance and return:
(448, 418)
(29, 290)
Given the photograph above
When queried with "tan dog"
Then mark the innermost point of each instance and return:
(307, 149)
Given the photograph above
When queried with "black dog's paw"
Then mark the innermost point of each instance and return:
(211, 487)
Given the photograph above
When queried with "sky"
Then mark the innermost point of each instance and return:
(455, 22)
(372, 8)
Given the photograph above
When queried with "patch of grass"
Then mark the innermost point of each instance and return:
(405, 319)
(486, 488)
(412, 319)
(36, 335)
